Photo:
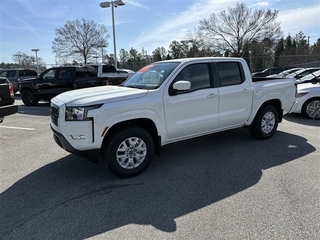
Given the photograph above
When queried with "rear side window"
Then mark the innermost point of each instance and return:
(108, 69)
(27, 72)
(11, 73)
(86, 72)
(230, 73)
(22, 73)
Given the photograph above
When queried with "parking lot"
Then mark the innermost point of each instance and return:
(222, 186)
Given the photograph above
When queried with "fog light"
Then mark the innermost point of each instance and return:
(78, 137)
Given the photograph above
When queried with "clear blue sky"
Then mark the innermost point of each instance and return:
(148, 24)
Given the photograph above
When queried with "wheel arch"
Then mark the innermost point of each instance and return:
(144, 123)
(274, 102)
(25, 89)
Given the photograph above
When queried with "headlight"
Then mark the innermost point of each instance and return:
(79, 113)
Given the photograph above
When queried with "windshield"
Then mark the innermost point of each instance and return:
(310, 76)
(295, 73)
(151, 76)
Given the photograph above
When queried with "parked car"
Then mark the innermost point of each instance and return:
(303, 72)
(284, 73)
(308, 100)
(313, 77)
(15, 75)
(7, 106)
(121, 70)
(270, 71)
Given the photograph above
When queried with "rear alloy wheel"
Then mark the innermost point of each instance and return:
(129, 152)
(311, 109)
(265, 123)
(28, 98)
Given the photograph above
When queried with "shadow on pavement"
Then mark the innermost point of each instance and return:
(300, 119)
(41, 109)
(73, 197)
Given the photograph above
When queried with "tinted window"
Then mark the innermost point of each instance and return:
(197, 75)
(22, 73)
(11, 73)
(49, 74)
(3, 74)
(86, 72)
(108, 69)
(229, 73)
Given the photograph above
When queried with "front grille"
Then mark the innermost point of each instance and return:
(54, 112)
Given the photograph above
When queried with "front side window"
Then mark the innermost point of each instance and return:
(151, 76)
(197, 75)
(49, 74)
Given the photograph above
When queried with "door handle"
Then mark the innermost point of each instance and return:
(244, 90)
(211, 95)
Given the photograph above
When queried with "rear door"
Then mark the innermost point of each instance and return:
(235, 94)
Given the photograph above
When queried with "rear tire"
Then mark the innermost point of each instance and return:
(28, 98)
(265, 123)
(129, 151)
(311, 109)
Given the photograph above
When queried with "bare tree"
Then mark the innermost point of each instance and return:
(80, 40)
(237, 27)
(26, 61)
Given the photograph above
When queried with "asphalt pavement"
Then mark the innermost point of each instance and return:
(222, 186)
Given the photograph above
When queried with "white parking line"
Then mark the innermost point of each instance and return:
(20, 128)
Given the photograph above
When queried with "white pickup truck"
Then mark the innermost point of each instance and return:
(166, 102)
(116, 76)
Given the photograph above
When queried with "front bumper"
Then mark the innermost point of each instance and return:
(93, 154)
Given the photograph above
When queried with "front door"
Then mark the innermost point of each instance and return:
(192, 112)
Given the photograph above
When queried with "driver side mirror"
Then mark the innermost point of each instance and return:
(182, 85)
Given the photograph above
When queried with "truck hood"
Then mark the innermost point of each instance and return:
(99, 95)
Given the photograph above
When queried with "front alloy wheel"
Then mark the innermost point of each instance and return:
(129, 151)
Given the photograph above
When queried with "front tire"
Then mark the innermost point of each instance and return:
(311, 109)
(28, 98)
(129, 151)
(265, 123)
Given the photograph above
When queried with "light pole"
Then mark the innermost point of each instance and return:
(113, 4)
(36, 50)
